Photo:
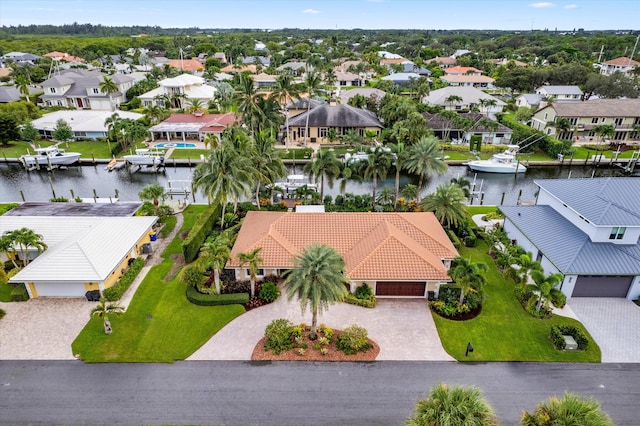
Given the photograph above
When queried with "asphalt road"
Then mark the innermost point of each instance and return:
(378, 393)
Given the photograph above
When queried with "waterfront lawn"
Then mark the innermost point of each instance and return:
(504, 331)
(89, 149)
(15, 149)
(299, 153)
(474, 210)
(582, 153)
(160, 325)
(188, 153)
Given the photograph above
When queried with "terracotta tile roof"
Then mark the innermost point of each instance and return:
(467, 79)
(210, 122)
(64, 56)
(392, 61)
(186, 64)
(461, 70)
(233, 69)
(622, 62)
(443, 60)
(377, 246)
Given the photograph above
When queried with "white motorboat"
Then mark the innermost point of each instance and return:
(50, 156)
(294, 182)
(145, 157)
(504, 162)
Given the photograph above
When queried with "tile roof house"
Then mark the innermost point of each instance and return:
(84, 253)
(622, 114)
(586, 229)
(190, 65)
(78, 88)
(458, 70)
(623, 64)
(443, 61)
(396, 254)
(470, 99)
(183, 127)
(238, 69)
(61, 56)
(444, 129)
(342, 118)
(345, 95)
(187, 85)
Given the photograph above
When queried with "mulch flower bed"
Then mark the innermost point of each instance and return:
(462, 317)
(312, 354)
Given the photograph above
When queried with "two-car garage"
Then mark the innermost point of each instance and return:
(59, 289)
(602, 286)
(401, 288)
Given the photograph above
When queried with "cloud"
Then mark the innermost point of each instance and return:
(542, 5)
(570, 6)
(310, 11)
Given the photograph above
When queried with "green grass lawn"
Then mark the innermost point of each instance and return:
(473, 210)
(184, 154)
(5, 292)
(586, 153)
(298, 152)
(160, 325)
(504, 331)
(15, 149)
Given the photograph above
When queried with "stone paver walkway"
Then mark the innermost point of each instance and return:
(403, 328)
(613, 323)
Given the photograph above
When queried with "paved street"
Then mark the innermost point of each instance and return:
(207, 392)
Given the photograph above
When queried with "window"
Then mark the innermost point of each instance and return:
(619, 121)
(52, 89)
(259, 273)
(617, 232)
(594, 120)
(602, 120)
(322, 132)
(96, 91)
(546, 115)
(573, 121)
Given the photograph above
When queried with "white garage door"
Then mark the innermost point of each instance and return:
(53, 289)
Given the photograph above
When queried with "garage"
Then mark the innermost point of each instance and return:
(58, 289)
(602, 286)
(401, 288)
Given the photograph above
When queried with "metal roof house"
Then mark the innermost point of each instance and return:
(586, 229)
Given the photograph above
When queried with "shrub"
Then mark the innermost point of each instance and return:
(2, 313)
(191, 276)
(363, 292)
(115, 293)
(558, 331)
(59, 200)
(454, 239)
(6, 207)
(278, 336)
(327, 331)
(269, 292)
(19, 293)
(363, 297)
(470, 239)
(200, 231)
(353, 339)
(558, 298)
(254, 302)
(197, 298)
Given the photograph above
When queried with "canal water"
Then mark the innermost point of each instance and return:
(95, 181)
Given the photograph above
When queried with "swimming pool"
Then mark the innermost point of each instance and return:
(175, 145)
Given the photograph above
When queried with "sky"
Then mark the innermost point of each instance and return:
(517, 15)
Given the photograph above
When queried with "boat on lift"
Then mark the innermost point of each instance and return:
(145, 157)
(504, 162)
(50, 156)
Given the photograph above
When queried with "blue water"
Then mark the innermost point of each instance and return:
(175, 145)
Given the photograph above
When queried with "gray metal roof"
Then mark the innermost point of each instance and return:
(568, 248)
(336, 116)
(604, 201)
(561, 90)
(75, 209)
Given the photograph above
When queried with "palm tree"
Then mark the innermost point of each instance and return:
(604, 130)
(571, 409)
(561, 125)
(111, 123)
(312, 84)
(247, 97)
(7, 247)
(211, 140)
(467, 274)
(453, 100)
(399, 151)
(464, 184)
(266, 161)
(177, 100)
(423, 157)
(453, 406)
(386, 196)
(108, 86)
(543, 286)
(154, 113)
(24, 239)
(409, 192)
(253, 262)
(283, 91)
(325, 164)
(378, 164)
(152, 192)
(448, 117)
(22, 83)
(194, 106)
(214, 254)
(224, 175)
(103, 309)
(526, 266)
(487, 104)
(317, 278)
(447, 203)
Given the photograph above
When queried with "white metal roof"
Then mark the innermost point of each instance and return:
(80, 249)
(81, 120)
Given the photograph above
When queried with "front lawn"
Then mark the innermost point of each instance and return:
(188, 153)
(160, 325)
(504, 331)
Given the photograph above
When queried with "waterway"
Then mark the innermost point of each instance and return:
(17, 185)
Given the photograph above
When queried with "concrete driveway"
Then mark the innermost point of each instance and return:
(42, 328)
(614, 323)
(403, 328)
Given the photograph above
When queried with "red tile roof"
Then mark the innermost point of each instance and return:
(210, 122)
(186, 64)
(461, 70)
(375, 246)
(622, 62)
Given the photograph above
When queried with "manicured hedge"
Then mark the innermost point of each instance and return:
(549, 145)
(197, 298)
(369, 302)
(200, 231)
(115, 293)
(557, 331)
(19, 293)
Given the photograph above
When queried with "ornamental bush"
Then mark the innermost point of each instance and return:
(199, 232)
(278, 335)
(353, 339)
(269, 292)
(558, 331)
(115, 293)
(197, 298)
(19, 293)
(558, 298)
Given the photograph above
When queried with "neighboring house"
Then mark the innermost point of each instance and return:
(471, 80)
(180, 90)
(298, 106)
(401, 78)
(84, 253)
(183, 127)
(345, 95)
(342, 118)
(85, 124)
(505, 62)
(622, 114)
(443, 61)
(470, 99)
(528, 100)
(588, 230)
(264, 81)
(61, 56)
(388, 55)
(560, 93)
(239, 68)
(190, 65)
(495, 133)
(221, 57)
(623, 64)
(12, 93)
(458, 70)
(80, 89)
(21, 57)
(409, 66)
(265, 61)
(395, 254)
(348, 79)
(293, 68)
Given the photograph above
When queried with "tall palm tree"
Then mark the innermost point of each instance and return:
(325, 164)
(487, 104)
(453, 100)
(447, 203)
(543, 286)
(464, 184)
(377, 165)
(7, 247)
(448, 117)
(248, 102)
(399, 150)
(571, 409)
(253, 261)
(526, 266)
(467, 274)
(317, 278)
(266, 161)
(23, 239)
(22, 83)
(111, 123)
(177, 100)
(453, 406)
(108, 86)
(561, 125)
(103, 309)
(423, 157)
(223, 176)
(211, 140)
(214, 254)
(152, 192)
(284, 91)
(604, 130)
(312, 84)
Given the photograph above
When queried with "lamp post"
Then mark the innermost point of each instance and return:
(469, 349)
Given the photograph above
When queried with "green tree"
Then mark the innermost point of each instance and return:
(29, 133)
(464, 184)
(561, 126)
(358, 101)
(8, 129)
(523, 114)
(62, 131)
(453, 406)
(377, 166)
(214, 254)
(152, 192)
(266, 162)
(385, 196)
(409, 192)
(317, 278)
(253, 261)
(23, 239)
(103, 310)
(324, 164)
(604, 130)
(467, 275)
(569, 410)
(424, 157)
(312, 85)
(453, 100)
(248, 97)
(526, 265)
(22, 83)
(542, 286)
(284, 91)
(108, 86)
(399, 151)
(8, 248)
(486, 104)
(194, 106)
(447, 204)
